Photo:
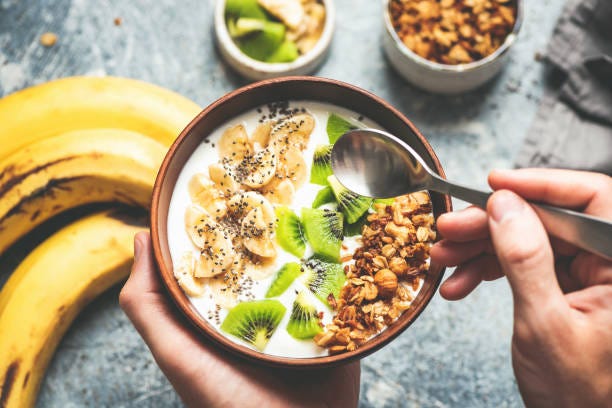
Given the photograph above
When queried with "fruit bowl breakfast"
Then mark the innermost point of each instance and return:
(266, 252)
(270, 38)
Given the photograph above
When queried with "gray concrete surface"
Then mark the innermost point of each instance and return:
(456, 354)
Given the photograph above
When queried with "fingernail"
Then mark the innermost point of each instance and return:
(504, 204)
(137, 246)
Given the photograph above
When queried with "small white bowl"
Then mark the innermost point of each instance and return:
(258, 70)
(442, 78)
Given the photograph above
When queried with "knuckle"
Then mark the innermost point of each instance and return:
(126, 297)
(526, 252)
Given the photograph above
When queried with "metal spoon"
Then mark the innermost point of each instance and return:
(374, 163)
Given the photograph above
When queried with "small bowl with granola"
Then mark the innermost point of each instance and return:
(263, 39)
(450, 46)
(266, 253)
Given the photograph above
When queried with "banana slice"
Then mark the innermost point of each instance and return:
(289, 12)
(223, 177)
(234, 144)
(222, 293)
(293, 132)
(216, 249)
(290, 169)
(204, 193)
(279, 191)
(183, 272)
(291, 165)
(262, 269)
(261, 136)
(256, 233)
(242, 203)
(257, 170)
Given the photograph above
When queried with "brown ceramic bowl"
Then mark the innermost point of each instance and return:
(244, 99)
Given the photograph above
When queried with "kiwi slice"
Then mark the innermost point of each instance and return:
(290, 232)
(304, 320)
(255, 321)
(284, 278)
(262, 44)
(321, 165)
(353, 206)
(337, 126)
(245, 8)
(286, 52)
(323, 278)
(385, 201)
(351, 230)
(244, 26)
(323, 230)
(324, 196)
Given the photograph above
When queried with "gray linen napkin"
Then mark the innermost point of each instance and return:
(573, 126)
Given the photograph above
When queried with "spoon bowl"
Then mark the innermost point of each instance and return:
(377, 164)
(374, 163)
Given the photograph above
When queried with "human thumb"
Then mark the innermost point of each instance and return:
(523, 251)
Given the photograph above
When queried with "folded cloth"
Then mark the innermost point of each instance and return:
(573, 126)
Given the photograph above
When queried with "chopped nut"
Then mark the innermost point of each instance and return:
(422, 234)
(398, 266)
(332, 301)
(396, 231)
(380, 261)
(403, 293)
(342, 336)
(370, 291)
(386, 282)
(388, 251)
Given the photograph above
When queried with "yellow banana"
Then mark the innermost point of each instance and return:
(48, 290)
(75, 168)
(89, 102)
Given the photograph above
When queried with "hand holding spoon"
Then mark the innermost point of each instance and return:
(373, 163)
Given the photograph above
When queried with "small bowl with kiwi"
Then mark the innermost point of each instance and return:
(263, 39)
(265, 253)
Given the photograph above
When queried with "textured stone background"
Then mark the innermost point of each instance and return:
(456, 354)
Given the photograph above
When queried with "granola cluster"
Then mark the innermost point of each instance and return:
(453, 31)
(386, 271)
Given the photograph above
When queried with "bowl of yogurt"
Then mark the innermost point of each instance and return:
(266, 253)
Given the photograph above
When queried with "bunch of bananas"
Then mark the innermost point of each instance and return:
(64, 144)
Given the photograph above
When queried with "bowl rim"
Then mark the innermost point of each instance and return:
(185, 305)
(436, 66)
(225, 40)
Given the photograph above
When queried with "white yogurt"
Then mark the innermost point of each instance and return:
(281, 343)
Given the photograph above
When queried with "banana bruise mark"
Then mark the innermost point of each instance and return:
(14, 179)
(7, 384)
(48, 189)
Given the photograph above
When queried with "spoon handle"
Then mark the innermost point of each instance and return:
(584, 231)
